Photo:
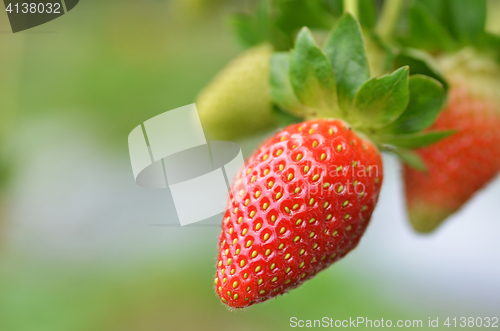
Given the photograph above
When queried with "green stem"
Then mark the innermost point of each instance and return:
(389, 18)
(351, 6)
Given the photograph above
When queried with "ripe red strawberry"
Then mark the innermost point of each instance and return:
(462, 164)
(311, 191)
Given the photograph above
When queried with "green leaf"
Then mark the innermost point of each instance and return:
(335, 7)
(409, 157)
(253, 29)
(433, 7)
(466, 18)
(381, 101)
(282, 93)
(416, 140)
(419, 63)
(426, 100)
(311, 74)
(367, 14)
(292, 15)
(346, 50)
(264, 18)
(260, 26)
(489, 42)
(426, 32)
(284, 118)
(244, 29)
(295, 14)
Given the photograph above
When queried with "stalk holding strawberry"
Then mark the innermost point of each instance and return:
(311, 189)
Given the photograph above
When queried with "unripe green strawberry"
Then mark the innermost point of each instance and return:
(311, 190)
(462, 164)
(237, 103)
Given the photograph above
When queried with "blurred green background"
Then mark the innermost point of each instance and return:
(83, 248)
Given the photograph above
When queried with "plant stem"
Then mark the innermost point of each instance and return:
(389, 18)
(351, 6)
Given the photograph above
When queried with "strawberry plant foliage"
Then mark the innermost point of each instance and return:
(391, 110)
(346, 50)
(277, 21)
(311, 75)
(439, 26)
(421, 112)
(381, 101)
(454, 23)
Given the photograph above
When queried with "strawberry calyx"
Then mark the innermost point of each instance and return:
(334, 82)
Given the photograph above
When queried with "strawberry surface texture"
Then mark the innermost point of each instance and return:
(309, 195)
